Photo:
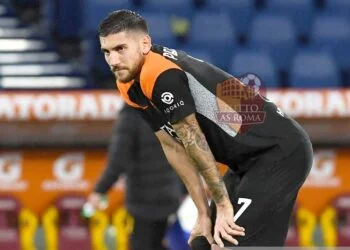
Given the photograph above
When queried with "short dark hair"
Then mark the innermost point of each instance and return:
(122, 20)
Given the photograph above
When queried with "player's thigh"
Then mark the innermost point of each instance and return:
(266, 195)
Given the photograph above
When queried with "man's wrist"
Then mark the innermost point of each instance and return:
(205, 213)
(225, 203)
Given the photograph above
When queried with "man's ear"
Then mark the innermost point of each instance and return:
(146, 44)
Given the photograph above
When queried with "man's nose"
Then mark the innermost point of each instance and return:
(114, 59)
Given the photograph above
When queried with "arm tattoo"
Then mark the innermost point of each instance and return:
(198, 149)
(190, 134)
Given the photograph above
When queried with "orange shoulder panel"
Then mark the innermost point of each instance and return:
(154, 65)
(123, 89)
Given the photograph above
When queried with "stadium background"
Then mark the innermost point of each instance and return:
(58, 103)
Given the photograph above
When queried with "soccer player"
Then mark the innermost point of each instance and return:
(201, 116)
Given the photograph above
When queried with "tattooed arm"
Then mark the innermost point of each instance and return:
(190, 159)
(198, 150)
(177, 157)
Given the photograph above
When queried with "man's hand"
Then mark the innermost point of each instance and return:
(202, 228)
(225, 226)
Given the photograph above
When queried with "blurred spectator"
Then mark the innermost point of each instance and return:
(152, 191)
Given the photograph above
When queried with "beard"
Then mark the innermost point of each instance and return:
(128, 74)
(125, 76)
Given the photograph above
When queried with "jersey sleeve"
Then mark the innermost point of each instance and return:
(171, 95)
(152, 117)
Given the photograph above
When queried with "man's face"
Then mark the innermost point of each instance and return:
(124, 53)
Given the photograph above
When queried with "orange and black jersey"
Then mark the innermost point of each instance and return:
(173, 85)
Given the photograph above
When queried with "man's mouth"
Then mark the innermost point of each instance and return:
(118, 70)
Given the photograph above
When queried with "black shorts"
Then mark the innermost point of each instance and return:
(267, 194)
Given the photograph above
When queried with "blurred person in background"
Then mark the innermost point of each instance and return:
(181, 98)
(153, 191)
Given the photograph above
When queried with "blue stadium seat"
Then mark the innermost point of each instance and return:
(314, 69)
(241, 12)
(333, 32)
(214, 32)
(300, 12)
(160, 29)
(96, 10)
(276, 34)
(182, 8)
(256, 62)
(340, 7)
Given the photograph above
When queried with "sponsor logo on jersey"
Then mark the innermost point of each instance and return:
(174, 106)
(170, 53)
(167, 98)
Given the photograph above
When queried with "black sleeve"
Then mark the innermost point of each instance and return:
(172, 96)
(121, 149)
(153, 117)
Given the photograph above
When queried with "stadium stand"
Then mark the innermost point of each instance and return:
(241, 13)
(56, 14)
(313, 69)
(275, 34)
(299, 11)
(341, 7)
(180, 8)
(205, 34)
(160, 28)
(333, 32)
(29, 59)
(279, 27)
(258, 62)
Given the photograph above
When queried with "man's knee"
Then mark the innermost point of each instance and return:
(200, 243)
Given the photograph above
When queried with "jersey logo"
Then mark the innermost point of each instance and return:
(170, 53)
(167, 98)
